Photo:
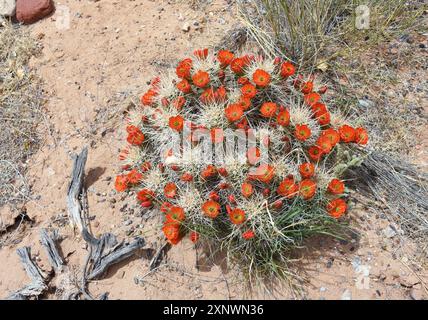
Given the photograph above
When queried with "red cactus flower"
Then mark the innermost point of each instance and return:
(247, 235)
(307, 189)
(170, 190)
(234, 112)
(184, 86)
(336, 208)
(225, 57)
(268, 109)
(302, 132)
(306, 170)
(287, 188)
(261, 78)
(283, 118)
(336, 187)
(237, 216)
(201, 79)
(183, 68)
(347, 133)
(361, 136)
(134, 176)
(211, 208)
(248, 91)
(176, 123)
(287, 69)
(247, 189)
(121, 183)
(201, 53)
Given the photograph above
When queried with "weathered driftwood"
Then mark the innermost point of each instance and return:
(38, 277)
(104, 252)
(101, 261)
(49, 242)
(75, 190)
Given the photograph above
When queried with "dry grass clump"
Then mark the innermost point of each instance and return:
(315, 32)
(20, 111)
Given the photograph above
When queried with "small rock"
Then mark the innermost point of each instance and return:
(127, 222)
(7, 8)
(389, 232)
(323, 289)
(346, 295)
(32, 11)
(185, 27)
(365, 103)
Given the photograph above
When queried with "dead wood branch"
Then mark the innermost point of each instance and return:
(49, 242)
(38, 277)
(75, 190)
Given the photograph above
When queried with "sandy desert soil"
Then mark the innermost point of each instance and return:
(91, 70)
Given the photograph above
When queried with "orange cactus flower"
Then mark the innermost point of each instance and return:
(307, 87)
(214, 196)
(184, 86)
(134, 176)
(268, 109)
(201, 53)
(318, 109)
(121, 183)
(223, 172)
(263, 173)
(225, 57)
(201, 79)
(244, 102)
(324, 144)
(136, 138)
(337, 208)
(248, 90)
(287, 188)
(315, 153)
(247, 189)
(302, 132)
(361, 136)
(211, 209)
(324, 119)
(237, 65)
(332, 135)
(186, 177)
(249, 234)
(261, 78)
(170, 190)
(171, 232)
(147, 98)
(209, 172)
(347, 133)
(287, 69)
(183, 68)
(234, 112)
(194, 236)
(312, 98)
(306, 170)
(283, 118)
(253, 155)
(175, 215)
(176, 123)
(336, 187)
(307, 189)
(145, 195)
(237, 216)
